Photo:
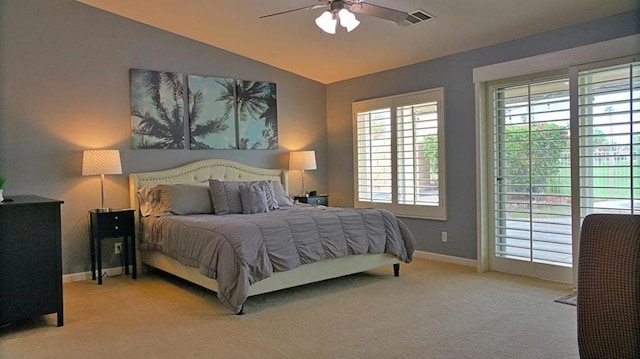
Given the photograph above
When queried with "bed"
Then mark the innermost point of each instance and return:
(252, 253)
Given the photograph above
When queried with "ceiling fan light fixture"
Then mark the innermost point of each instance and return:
(348, 19)
(327, 22)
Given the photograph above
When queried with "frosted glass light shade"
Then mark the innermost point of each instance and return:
(302, 160)
(326, 22)
(348, 20)
(101, 162)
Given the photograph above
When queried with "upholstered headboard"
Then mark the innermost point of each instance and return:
(202, 171)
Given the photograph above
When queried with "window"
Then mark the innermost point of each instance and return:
(399, 154)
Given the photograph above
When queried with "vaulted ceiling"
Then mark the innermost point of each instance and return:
(294, 43)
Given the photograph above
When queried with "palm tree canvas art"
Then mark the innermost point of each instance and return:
(157, 109)
(257, 115)
(222, 113)
(212, 113)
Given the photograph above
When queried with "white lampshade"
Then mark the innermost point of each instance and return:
(327, 22)
(101, 162)
(302, 160)
(348, 20)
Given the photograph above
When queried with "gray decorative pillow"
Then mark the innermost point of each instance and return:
(174, 199)
(225, 196)
(267, 187)
(282, 197)
(254, 199)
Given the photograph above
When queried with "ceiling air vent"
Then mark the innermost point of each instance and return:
(416, 17)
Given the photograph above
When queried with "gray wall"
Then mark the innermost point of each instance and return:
(454, 73)
(64, 88)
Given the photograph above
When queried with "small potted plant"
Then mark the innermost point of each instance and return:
(2, 179)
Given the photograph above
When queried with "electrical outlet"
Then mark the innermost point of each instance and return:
(444, 236)
(118, 248)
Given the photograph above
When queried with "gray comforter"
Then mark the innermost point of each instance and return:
(239, 250)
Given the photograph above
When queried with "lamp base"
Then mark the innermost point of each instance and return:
(101, 210)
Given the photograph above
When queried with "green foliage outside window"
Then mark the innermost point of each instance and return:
(541, 153)
(430, 150)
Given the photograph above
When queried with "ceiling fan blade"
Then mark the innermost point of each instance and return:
(378, 11)
(298, 9)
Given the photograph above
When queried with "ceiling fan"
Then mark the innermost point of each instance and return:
(339, 10)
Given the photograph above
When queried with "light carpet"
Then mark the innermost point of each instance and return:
(433, 310)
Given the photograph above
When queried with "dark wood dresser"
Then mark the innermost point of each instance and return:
(30, 259)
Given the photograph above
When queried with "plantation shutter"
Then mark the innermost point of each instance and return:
(374, 156)
(532, 174)
(609, 137)
(418, 154)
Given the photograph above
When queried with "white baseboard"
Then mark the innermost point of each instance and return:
(81, 276)
(445, 258)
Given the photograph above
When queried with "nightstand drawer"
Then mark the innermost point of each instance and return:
(116, 224)
(316, 200)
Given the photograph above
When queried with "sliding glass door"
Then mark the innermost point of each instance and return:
(542, 181)
(532, 178)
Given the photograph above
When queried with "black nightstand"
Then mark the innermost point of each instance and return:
(322, 199)
(112, 224)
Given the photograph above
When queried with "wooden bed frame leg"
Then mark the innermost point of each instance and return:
(396, 270)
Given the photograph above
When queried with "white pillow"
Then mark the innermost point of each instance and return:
(282, 197)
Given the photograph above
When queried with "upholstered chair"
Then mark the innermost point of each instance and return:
(609, 287)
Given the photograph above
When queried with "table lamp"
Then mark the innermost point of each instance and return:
(101, 162)
(302, 160)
